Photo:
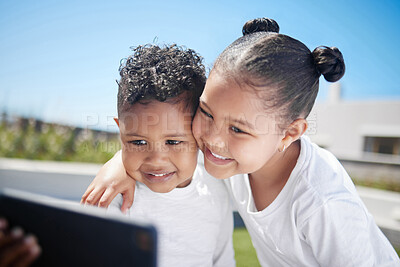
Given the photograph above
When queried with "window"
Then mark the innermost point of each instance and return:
(383, 145)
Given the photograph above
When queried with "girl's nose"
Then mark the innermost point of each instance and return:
(216, 142)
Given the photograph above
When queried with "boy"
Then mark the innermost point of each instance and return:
(158, 95)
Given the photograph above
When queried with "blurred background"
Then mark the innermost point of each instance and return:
(59, 65)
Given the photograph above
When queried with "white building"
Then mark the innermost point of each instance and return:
(358, 131)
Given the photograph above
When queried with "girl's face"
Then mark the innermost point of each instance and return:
(233, 129)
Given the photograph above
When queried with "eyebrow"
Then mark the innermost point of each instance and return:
(165, 136)
(244, 123)
(238, 121)
(175, 135)
(204, 103)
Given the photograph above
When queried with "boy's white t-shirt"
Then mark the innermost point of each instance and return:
(318, 219)
(194, 223)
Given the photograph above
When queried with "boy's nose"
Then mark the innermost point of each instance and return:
(157, 155)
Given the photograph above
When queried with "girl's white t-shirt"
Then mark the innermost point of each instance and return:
(318, 219)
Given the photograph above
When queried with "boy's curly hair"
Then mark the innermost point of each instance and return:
(162, 74)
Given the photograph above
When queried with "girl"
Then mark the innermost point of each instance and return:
(298, 203)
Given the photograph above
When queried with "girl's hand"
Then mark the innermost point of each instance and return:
(17, 248)
(111, 180)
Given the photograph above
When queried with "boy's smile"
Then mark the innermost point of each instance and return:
(158, 176)
(159, 149)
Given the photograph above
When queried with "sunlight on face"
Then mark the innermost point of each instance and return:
(233, 130)
(158, 148)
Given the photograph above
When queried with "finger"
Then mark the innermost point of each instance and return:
(13, 236)
(3, 224)
(28, 258)
(87, 193)
(108, 197)
(95, 196)
(32, 253)
(11, 252)
(127, 197)
(20, 250)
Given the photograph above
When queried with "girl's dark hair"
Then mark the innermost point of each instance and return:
(281, 69)
(169, 73)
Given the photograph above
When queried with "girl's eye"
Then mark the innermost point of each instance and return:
(138, 142)
(236, 130)
(206, 113)
(173, 142)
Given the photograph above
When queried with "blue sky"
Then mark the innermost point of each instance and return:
(59, 59)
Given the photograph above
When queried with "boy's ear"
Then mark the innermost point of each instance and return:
(116, 121)
(293, 132)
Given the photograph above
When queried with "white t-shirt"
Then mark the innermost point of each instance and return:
(317, 219)
(194, 223)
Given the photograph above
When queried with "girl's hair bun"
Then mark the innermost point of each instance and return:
(260, 25)
(329, 62)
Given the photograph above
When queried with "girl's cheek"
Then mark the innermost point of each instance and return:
(236, 149)
(244, 150)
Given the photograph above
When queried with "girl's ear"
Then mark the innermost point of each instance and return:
(116, 121)
(293, 132)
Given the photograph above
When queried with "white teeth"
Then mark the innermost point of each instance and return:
(158, 175)
(218, 156)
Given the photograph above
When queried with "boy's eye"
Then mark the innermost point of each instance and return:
(138, 142)
(173, 142)
(236, 130)
(206, 113)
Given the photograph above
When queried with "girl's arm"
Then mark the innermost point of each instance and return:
(16, 248)
(111, 180)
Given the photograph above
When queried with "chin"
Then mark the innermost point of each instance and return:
(218, 173)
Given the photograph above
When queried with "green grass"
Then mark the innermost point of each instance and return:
(245, 254)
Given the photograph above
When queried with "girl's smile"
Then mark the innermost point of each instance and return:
(232, 129)
(215, 158)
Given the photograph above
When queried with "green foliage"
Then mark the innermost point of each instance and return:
(54, 142)
(245, 253)
(383, 184)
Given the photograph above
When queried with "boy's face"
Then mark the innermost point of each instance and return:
(158, 148)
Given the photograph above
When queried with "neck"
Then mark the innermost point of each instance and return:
(267, 182)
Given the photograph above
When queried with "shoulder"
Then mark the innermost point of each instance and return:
(318, 158)
(321, 169)
(117, 201)
(115, 205)
(321, 180)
